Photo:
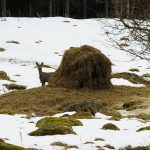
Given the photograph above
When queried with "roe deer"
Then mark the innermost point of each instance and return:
(44, 76)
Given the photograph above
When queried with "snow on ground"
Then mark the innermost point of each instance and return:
(15, 129)
(121, 81)
(46, 39)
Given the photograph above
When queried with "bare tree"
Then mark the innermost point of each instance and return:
(50, 8)
(66, 8)
(84, 9)
(3, 5)
(133, 23)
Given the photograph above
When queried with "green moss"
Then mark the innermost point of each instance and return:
(99, 139)
(136, 148)
(53, 126)
(143, 116)
(111, 112)
(52, 130)
(110, 126)
(50, 121)
(134, 70)
(89, 142)
(4, 76)
(60, 144)
(73, 146)
(5, 146)
(15, 87)
(82, 115)
(143, 129)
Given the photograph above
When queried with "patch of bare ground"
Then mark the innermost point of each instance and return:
(48, 100)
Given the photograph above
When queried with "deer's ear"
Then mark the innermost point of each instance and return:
(42, 63)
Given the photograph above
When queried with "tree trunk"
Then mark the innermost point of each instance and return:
(84, 9)
(106, 8)
(66, 8)
(116, 9)
(50, 8)
(3, 5)
(128, 8)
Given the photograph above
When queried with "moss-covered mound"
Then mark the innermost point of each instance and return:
(53, 126)
(5, 146)
(136, 148)
(143, 129)
(83, 67)
(110, 126)
(4, 76)
(132, 77)
(87, 106)
(15, 87)
(52, 130)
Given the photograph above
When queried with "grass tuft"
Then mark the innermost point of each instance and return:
(15, 87)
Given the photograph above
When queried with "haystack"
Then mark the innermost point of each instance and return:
(83, 67)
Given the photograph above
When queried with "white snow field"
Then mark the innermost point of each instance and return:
(15, 130)
(45, 40)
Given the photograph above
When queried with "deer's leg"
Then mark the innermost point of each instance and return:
(43, 83)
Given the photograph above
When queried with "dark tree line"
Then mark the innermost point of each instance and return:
(70, 8)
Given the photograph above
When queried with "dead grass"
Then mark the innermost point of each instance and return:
(132, 77)
(48, 100)
(89, 68)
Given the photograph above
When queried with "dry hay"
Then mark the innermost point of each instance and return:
(83, 67)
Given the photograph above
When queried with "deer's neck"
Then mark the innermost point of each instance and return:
(40, 70)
